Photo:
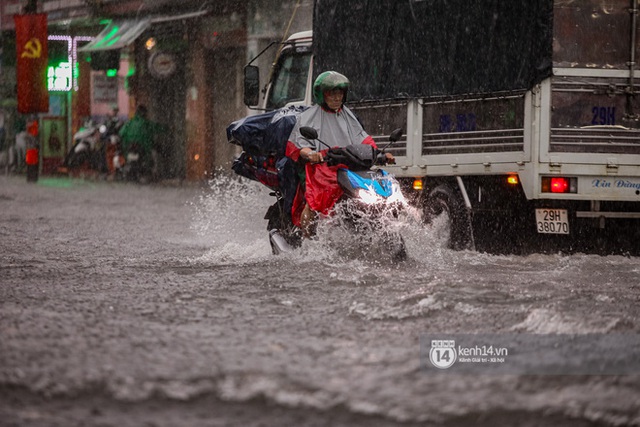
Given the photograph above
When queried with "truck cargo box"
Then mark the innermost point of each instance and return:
(399, 49)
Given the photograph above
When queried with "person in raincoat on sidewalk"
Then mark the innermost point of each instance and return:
(138, 135)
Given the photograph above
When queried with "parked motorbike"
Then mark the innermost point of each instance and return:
(369, 194)
(83, 153)
(132, 169)
(113, 156)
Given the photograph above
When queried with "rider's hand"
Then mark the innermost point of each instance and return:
(315, 157)
(390, 159)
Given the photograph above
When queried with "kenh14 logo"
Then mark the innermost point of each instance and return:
(443, 353)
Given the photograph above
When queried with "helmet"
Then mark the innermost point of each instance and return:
(327, 81)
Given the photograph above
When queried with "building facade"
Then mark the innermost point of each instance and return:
(182, 59)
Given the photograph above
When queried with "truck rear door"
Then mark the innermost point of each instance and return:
(594, 117)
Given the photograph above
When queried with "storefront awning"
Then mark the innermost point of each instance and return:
(116, 35)
(119, 34)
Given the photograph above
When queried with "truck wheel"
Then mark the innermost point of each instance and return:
(443, 200)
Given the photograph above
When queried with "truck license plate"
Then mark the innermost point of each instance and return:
(552, 221)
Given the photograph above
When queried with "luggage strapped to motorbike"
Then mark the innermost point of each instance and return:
(263, 137)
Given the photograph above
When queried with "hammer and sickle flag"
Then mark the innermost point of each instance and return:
(32, 61)
(33, 49)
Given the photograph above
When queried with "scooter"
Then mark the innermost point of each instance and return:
(368, 195)
(82, 153)
(114, 158)
(132, 169)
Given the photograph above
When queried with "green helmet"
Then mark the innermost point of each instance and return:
(327, 81)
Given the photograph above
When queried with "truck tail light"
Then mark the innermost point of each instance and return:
(513, 180)
(559, 184)
(417, 184)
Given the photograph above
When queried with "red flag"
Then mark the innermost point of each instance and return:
(32, 59)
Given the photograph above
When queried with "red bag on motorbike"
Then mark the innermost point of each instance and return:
(323, 190)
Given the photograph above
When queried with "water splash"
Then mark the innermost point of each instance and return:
(228, 218)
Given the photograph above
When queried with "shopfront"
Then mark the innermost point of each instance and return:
(182, 60)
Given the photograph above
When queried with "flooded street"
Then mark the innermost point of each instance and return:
(130, 305)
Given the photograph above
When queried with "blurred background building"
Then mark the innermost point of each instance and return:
(183, 59)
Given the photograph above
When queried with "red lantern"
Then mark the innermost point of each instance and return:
(32, 156)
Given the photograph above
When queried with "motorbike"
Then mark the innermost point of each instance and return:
(114, 158)
(369, 194)
(125, 166)
(84, 149)
(130, 167)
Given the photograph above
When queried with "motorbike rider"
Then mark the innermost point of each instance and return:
(337, 126)
(138, 136)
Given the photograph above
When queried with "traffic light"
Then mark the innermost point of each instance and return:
(105, 60)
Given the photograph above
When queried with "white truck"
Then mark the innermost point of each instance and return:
(521, 118)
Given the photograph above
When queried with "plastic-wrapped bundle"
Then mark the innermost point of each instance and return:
(263, 138)
(265, 134)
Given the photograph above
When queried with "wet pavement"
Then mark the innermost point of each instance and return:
(131, 305)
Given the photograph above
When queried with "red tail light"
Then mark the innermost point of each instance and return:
(559, 184)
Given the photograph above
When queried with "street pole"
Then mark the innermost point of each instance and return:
(32, 158)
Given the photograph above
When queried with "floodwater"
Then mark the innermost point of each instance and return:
(155, 305)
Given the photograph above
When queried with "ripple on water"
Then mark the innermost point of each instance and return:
(548, 321)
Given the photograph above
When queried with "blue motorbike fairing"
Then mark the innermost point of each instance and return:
(382, 186)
